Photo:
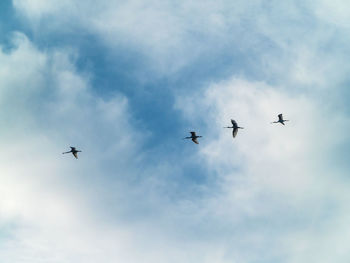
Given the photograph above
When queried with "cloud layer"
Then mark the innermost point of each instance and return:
(274, 194)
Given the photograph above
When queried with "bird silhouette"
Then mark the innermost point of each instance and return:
(280, 119)
(235, 128)
(73, 151)
(193, 137)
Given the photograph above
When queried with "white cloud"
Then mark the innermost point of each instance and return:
(54, 208)
(170, 36)
(278, 177)
(47, 106)
(277, 189)
(336, 12)
(167, 35)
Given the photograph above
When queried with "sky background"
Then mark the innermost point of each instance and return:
(124, 81)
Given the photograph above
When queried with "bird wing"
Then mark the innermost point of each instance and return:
(193, 134)
(75, 155)
(234, 123)
(195, 140)
(280, 117)
(234, 132)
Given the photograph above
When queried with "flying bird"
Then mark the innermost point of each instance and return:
(235, 128)
(280, 119)
(73, 151)
(193, 137)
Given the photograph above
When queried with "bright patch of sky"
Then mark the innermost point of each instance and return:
(125, 81)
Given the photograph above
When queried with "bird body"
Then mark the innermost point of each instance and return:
(74, 151)
(280, 119)
(235, 128)
(193, 137)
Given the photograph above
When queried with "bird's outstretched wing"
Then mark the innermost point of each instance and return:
(234, 132)
(234, 123)
(75, 155)
(280, 117)
(193, 134)
(195, 140)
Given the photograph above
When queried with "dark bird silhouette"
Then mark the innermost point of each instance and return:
(280, 119)
(235, 128)
(73, 151)
(193, 137)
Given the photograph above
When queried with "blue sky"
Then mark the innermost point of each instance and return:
(125, 81)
